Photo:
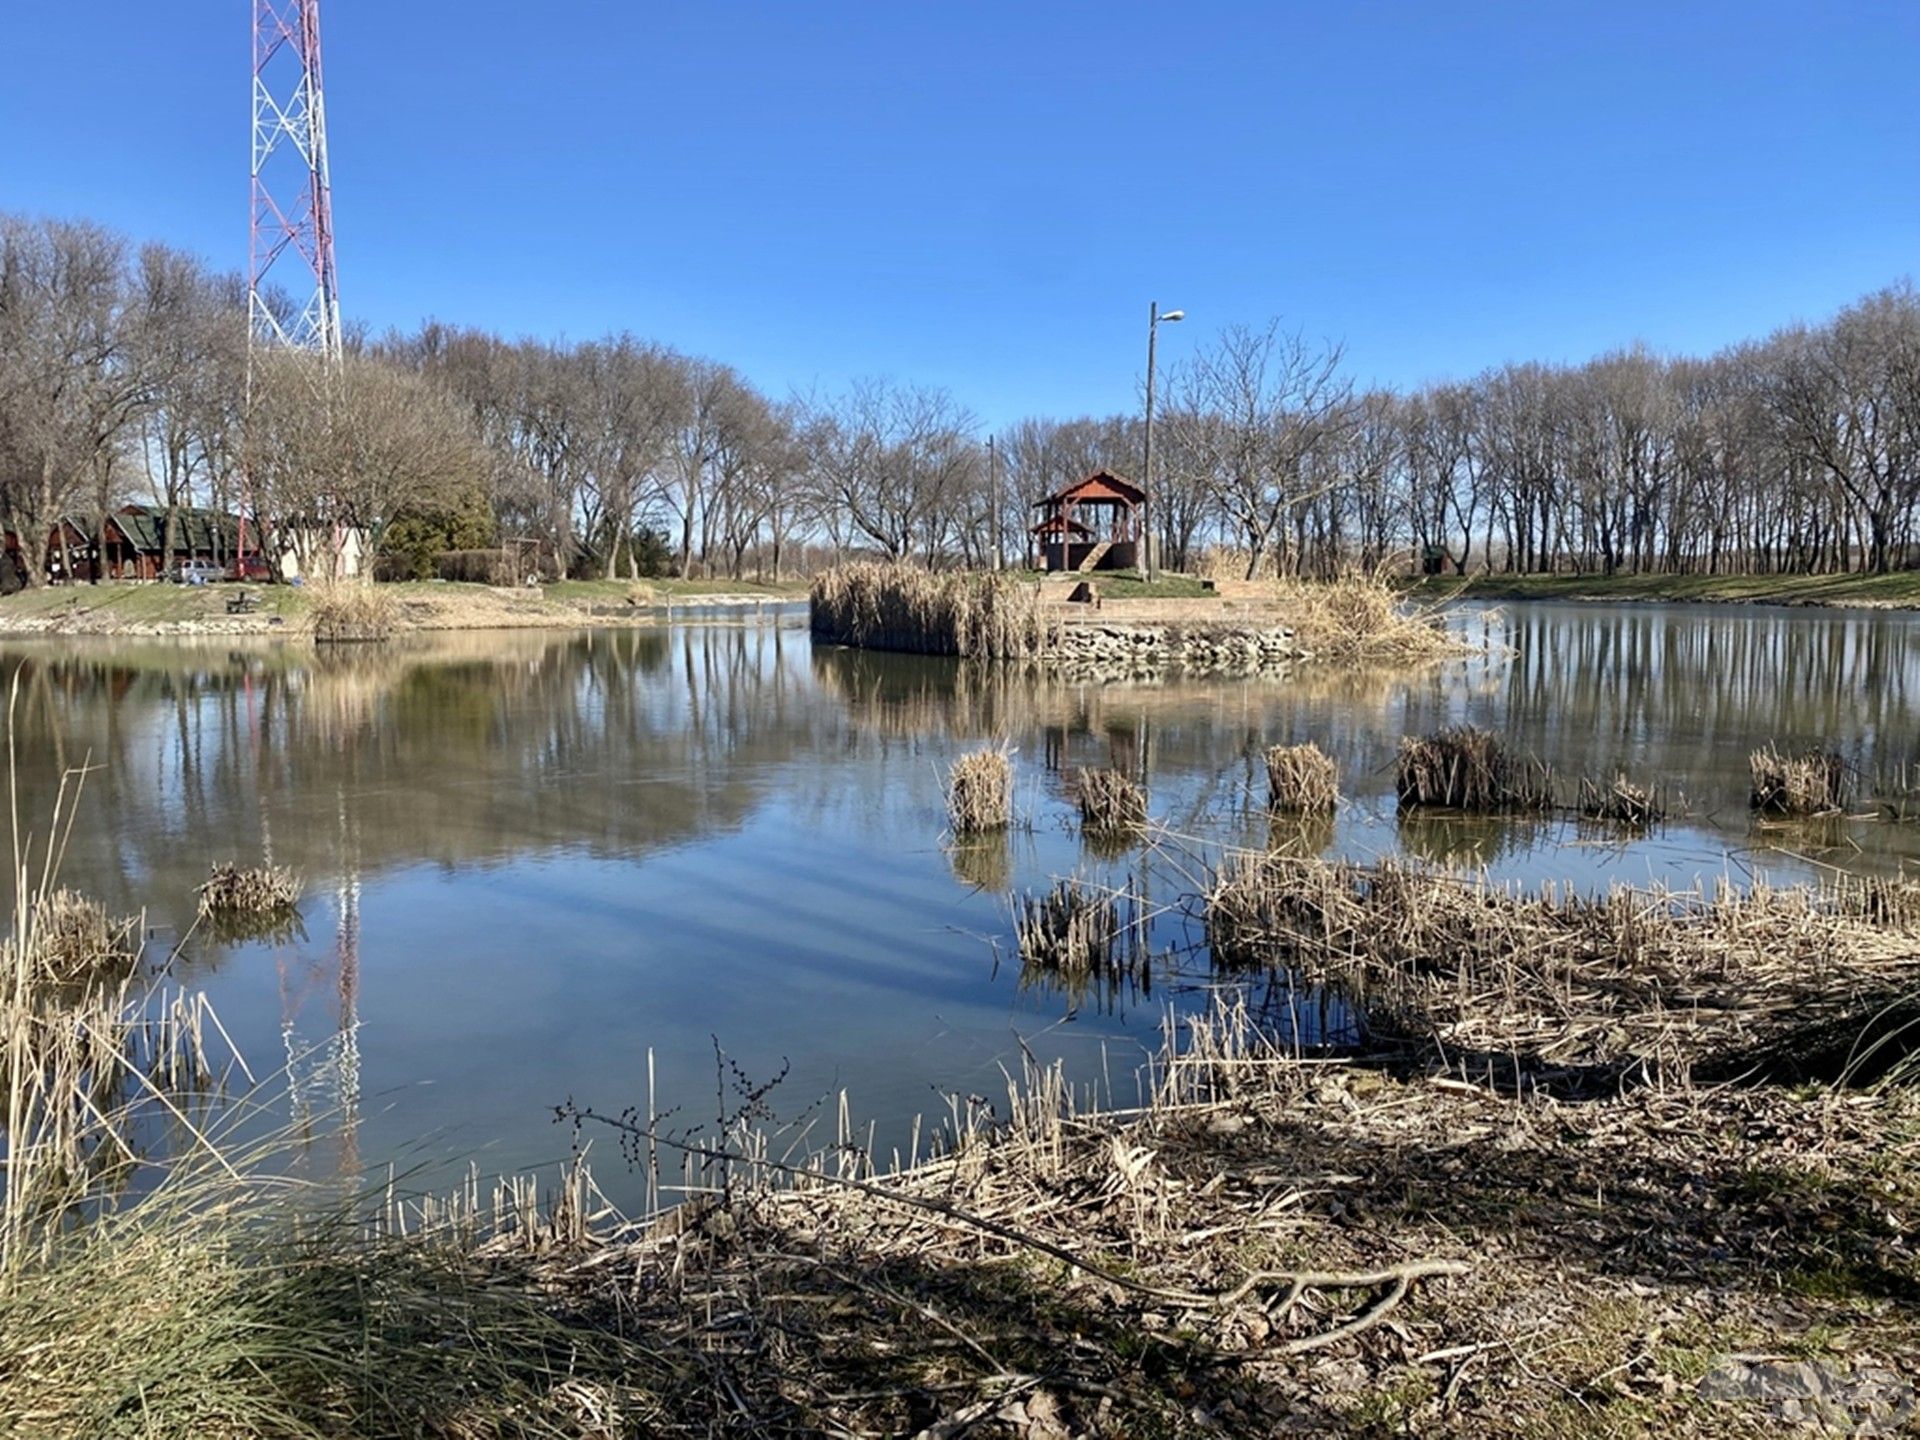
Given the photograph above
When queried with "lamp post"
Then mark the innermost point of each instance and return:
(1154, 317)
(993, 498)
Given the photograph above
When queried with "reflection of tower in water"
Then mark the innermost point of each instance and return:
(323, 1076)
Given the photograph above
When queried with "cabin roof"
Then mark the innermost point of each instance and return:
(1101, 487)
(145, 526)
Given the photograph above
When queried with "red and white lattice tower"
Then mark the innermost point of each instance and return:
(293, 295)
(293, 302)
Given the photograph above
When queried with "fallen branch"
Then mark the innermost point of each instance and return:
(1401, 1277)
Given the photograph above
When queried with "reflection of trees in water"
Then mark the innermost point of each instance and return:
(1204, 729)
(1690, 691)
(466, 750)
(1467, 842)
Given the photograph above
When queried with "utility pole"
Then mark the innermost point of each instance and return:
(1154, 317)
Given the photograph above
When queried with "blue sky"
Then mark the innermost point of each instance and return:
(986, 195)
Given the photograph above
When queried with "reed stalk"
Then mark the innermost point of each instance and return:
(351, 610)
(1621, 802)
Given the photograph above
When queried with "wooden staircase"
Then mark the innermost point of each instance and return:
(1091, 560)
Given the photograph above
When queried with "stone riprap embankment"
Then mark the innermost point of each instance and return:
(1128, 647)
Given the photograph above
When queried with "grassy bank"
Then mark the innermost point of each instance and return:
(1896, 591)
(145, 609)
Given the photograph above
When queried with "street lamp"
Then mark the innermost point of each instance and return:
(1154, 317)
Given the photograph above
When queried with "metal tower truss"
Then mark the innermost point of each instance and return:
(293, 295)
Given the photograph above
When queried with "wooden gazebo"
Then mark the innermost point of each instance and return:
(1092, 524)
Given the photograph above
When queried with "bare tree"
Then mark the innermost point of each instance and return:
(1253, 411)
(347, 449)
(68, 387)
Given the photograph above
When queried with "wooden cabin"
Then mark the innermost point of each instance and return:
(133, 541)
(1092, 524)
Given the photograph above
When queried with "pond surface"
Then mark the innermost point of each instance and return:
(536, 862)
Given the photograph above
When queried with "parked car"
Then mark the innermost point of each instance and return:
(196, 572)
(254, 567)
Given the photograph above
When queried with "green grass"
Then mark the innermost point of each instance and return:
(137, 603)
(1131, 585)
(1901, 588)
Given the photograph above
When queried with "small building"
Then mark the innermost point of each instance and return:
(1092, 524)
(129, 545)
(136, 541)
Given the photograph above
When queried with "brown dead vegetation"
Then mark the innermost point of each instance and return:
(1469, 769)
(1803, 785)
(1621, 802)
(1111, 804)
(1301, 779)
(980, 793)
(261, 890)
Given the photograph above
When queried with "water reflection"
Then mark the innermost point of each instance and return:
(531, 858)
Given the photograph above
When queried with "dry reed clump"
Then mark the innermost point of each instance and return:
(1465, 768)
(1359, 618)
(1813, 782)
(1573, 989)
(980, 793)
(1301, 779)
(978, 615)
(71, 940)
(263, 890)
(1073, 929)
(352, 610)
(1111, 803)
(1621, 802)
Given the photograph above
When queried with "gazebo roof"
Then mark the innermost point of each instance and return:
(1102, 487)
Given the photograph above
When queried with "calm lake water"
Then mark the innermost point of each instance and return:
(533, 858)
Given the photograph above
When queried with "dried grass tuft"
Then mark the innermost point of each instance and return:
(1621, 802)
(1469, 769)
(72, 939)
(1073, 929)
(1360, 618)
(264, 890)
(1111, 803)
(1813, 782)
(352, 610)
(980, 793)
(1302, 779)
(981, 615)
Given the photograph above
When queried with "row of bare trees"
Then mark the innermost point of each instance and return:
(124, 374)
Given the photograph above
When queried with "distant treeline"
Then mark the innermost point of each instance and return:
(123, 374)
